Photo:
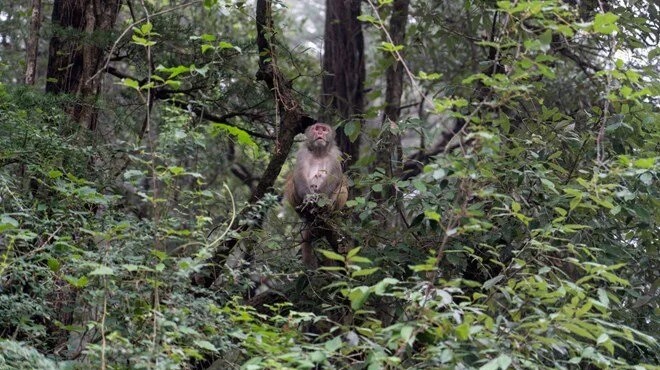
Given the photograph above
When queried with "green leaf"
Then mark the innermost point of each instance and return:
(130, 267)
(333, 344)
(575, 202)
(423, 267)
(491, 282)
(367, 18)
(359, 259)
(462, 331)
(146, 28)
(225, 45)
(8, 222)
(606, 23)
(645, 163)
(332, 255)
(501, 362)
(102, 271)
(432, 215)
(207, 37)
(54, 174)
(142, 41)
(353, 252)
(208, 4)
(549, 184)
(577, 330)
(242, 137)
(173, 71)
(358, 296)
(429, 76)
(130, 83)
(365, 272)
(206, 47)
(352, 129)
(389, 47)
(53, 264)
(174, 84)
(206, 345)
(380, 287)
(407, 334)
(77, 283)
(176, 170)
(419, 185)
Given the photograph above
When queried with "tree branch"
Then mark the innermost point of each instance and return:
(293, 121)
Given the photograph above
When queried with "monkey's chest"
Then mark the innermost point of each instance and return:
(317, 174)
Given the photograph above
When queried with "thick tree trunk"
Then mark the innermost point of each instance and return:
(74, 57)
(32, 47)
(342, 93)
(389, 152)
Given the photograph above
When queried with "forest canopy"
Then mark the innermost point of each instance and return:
(500, 157)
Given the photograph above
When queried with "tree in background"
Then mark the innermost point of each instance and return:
(342, 95)
(81, 29)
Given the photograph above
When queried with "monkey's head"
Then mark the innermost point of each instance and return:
(319, 137)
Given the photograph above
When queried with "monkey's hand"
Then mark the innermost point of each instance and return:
(315, 204)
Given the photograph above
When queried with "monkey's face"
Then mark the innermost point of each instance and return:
(319, 136)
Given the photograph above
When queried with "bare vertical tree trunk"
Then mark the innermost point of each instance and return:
(343, 62)
(74, 59)
(389, 152)
(32, 47)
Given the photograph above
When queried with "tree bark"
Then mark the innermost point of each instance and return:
(342, 93)
(389, 151)
(74, 57)
(32, 47)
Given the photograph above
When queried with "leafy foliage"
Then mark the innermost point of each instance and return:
(529, 242)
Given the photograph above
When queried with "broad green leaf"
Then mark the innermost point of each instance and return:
(206, 345)
(646, 163)
(333, 344)
(389, 47)
(130, 83)
(367, 18)
(102, 271)
(462, 331)
(429, 76)
(407, 334)
(365, 272)
(207, 37)
(332, 255)
(606, 23)
(173, 71)
(353, 252)
(432, 215)
(54, 174)
(358, 296)
(577, 330)
(352, 129)
(241, 136)
(225, 45)
(79, 283)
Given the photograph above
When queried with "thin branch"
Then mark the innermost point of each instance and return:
(130, 27)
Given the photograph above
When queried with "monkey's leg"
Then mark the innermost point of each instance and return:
(308, 257)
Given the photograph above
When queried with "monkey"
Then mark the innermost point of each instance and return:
(316, 187)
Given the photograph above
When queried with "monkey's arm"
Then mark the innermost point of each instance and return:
(290, 193)
(340, 196)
